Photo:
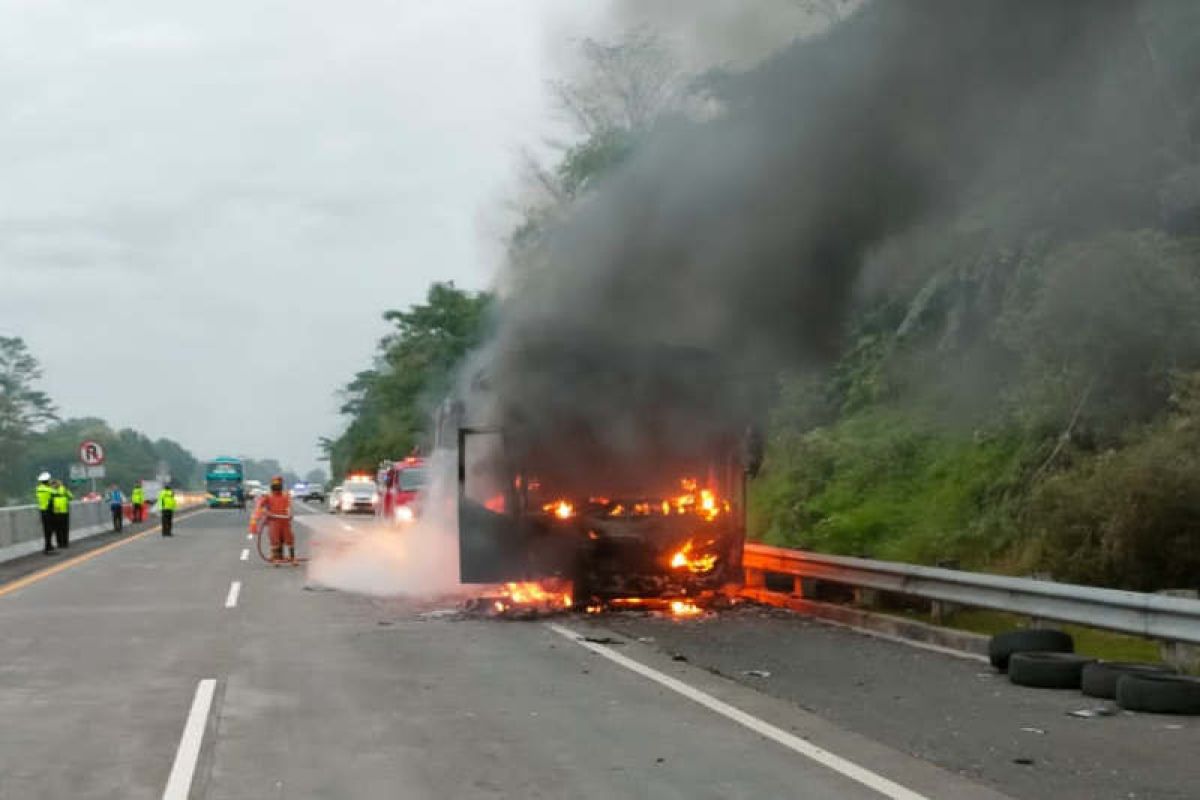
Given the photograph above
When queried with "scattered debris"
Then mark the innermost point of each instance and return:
(1038, 731)
(1025, 762)
(384, 622)
(1092, 713)
(756, 673)
(678, 657)
(646, 639)
(441, 613)
(602, 640)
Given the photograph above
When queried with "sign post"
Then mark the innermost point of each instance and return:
(91, 455)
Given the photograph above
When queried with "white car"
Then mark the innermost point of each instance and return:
(335, 500)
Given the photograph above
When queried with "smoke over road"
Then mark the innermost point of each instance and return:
(420, 560)
(745, 236)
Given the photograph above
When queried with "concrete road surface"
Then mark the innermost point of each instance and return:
(186, 667)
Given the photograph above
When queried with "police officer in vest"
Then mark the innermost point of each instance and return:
(166, 501)
(137, 498)
(60, 507)
(44, 493)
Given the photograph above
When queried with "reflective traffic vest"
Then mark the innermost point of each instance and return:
(137, 496)
(44, 492)
(167, 499)
(62, 500)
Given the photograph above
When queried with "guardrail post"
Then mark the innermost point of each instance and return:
(1183, 657)
(940, 610)
(865, 597)
(755, 579)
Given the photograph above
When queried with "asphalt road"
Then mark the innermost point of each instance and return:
(142, 672)
(953, 711)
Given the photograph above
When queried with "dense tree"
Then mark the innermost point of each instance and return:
(24, 409)
(389, 405)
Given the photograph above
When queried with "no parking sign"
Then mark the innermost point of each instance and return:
(91, 453)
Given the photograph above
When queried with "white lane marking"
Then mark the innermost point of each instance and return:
(346, 527)
(834, 762)
(249, 535)
(245, 556)
(235, 588)
(179, 784)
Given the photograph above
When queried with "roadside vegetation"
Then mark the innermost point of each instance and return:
(33, 438)
(1018, 383)
(389, 405)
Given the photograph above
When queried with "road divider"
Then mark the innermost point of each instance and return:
(179, 783)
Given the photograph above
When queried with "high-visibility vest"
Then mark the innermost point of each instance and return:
(62, 500)
(137, 496)
(166, 499)
(44, 492)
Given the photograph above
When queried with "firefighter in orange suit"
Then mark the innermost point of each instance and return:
(274, 511)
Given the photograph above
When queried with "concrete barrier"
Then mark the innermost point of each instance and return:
(21, 527)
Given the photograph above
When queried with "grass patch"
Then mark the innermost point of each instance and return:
(1088, 641)
(890, 485)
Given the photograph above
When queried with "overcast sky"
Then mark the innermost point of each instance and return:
(205, 206)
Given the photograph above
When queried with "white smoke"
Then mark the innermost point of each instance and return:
(416, 560)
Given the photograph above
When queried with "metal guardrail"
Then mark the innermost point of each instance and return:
(1172, 619)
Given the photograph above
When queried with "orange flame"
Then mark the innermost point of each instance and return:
(682, 608)
(696, 563)
(531, 594)
(563, 509)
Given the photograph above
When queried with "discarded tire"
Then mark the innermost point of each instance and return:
(1100, 677)
(1031, 640)
(1047, 670)
(1159, 694)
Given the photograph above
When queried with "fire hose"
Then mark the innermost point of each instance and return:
(259, 526)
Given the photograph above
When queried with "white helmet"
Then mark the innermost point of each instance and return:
(45, 476)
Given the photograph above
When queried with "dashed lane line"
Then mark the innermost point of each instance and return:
(245, 554)
(231, 599)
(179, 784)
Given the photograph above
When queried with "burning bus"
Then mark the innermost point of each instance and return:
(627, 484)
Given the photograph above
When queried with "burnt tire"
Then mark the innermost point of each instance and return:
(1030, 640)
(1047, 670)
(1100, 677)
(1159, 694)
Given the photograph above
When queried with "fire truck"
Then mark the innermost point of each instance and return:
(400, 484)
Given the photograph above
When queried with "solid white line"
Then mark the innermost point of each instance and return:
(179, 784)
(834, 762)
(231, 598)
(245, 554)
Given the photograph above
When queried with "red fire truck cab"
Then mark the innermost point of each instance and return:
(400, 485)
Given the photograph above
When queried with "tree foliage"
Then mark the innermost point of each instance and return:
(389, 405)
(24, 409)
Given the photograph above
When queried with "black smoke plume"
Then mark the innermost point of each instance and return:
(743, 237)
